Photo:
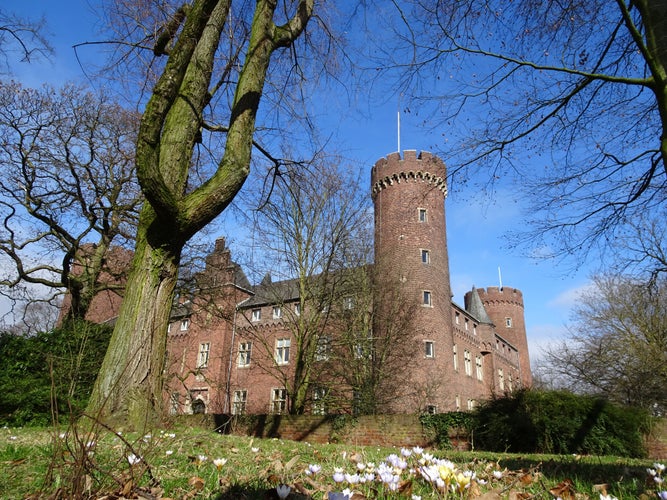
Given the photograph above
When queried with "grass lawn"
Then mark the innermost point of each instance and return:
(184, 463)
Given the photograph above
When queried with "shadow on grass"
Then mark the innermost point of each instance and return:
(243, 492)
(558, 468)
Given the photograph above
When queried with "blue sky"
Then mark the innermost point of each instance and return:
(476, 225)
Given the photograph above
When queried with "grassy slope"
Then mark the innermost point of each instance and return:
(179, 463)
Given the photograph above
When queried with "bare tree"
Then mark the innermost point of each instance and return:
(374, 343)
(567, 98)
(22, 37)
(67, 192)
(617, 345)
(217, 62)
(311, 230)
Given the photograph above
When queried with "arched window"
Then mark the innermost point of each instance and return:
(198, 407)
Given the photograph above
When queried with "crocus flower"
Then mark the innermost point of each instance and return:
(283, 491)
(219, 462)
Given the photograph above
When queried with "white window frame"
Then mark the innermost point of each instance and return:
(501, 379)
(174, 403)
(239, 402)
(508, 322)
(277, 312)
(422, 215)
(471, 404)
(319, 397)
(323, 348)
(427, 298)
(297, 309)
(479, 368)
(348, 303)
(456, 357)
(203, 356)
(467, 361)
(185, 324)
(282, 351)
(425, 256)
(457, 402)
(278, 401)
(245, 354)
(431, 409)
(256, 314)
(429, 349)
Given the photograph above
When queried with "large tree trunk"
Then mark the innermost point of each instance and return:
(129, 388)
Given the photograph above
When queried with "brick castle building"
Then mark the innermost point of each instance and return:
(398, 345)
(231, 346)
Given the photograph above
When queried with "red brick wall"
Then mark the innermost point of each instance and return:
(380, 430)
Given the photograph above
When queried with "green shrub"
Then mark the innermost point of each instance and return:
(50, 374)
(442, 423)
(559, 422)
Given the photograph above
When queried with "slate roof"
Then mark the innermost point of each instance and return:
(476, 308)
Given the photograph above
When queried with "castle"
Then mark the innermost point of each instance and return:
(399, 345)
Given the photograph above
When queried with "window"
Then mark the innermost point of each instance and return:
(245, 350)
(204, 351)
(456, 358)
(457, 318)
(323, 348)
(474, 329)
(277, 312)
(431, 409)
(478, 365)
(278, 401)
(471, 404)
(501, 379)
(466, 324)
(169, 328)
(426, 299)
(174, 403)
(428, 349)
(348, 303)
(185, 324)
(508, 322)
(457, 402)
(297, 309)
(467, 360)
(256, 314)
(426, 256)
(319, 398)
(510, 386)
(239, 403)
(423, 216)
(282, 351)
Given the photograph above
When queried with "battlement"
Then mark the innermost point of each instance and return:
(504, 294)
(393, 169)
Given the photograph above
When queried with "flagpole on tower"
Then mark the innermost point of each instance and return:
(398, 122)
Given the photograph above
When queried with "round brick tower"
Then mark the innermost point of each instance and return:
(505, 308)
(411, 247)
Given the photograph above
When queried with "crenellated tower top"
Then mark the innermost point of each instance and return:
(393, 169)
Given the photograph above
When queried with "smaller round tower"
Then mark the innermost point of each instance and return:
(505, 308)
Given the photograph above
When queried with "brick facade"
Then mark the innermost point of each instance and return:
(226, 346)
(231, 346)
